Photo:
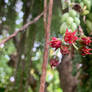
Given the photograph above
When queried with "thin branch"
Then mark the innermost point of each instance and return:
(47, 36)
(42, 80)
(45, 15)
(22, 28)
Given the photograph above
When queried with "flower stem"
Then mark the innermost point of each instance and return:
(75, 46)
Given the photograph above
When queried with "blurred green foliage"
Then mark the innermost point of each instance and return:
(8, 18)
(5, 70)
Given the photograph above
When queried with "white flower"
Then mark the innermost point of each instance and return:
(2, 46)
(12, 79)
(7, 57)
(4, 18)
(6, 1)
(22, 56)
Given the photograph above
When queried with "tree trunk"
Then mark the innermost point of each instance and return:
(67, 81)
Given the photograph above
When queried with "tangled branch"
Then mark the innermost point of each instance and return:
(22, 28)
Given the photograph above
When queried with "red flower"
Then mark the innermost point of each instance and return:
(85, 51)
(55, 43)
(86, 40)
(70, 37)
(53, 63)
(64, 50)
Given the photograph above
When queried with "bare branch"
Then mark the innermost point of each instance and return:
(47, 36)
(22, 28)
(42, 80)
(45, 15)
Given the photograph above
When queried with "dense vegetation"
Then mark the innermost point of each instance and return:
(24, 37)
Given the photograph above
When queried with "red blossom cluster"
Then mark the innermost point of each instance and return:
(70, 39)
(55, 43)
(54, 62)
(64, 50)
(85, 50)
(86, 40)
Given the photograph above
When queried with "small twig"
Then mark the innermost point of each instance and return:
(47, 36)
(21, 29)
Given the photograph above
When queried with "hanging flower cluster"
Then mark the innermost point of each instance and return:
(85, 42)
(54, 62)
(85, 51)
(71, 39)
(55, 43)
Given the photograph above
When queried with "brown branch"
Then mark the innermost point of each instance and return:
(47, 36)
(45, 15)
(22, 28)
(42, 80)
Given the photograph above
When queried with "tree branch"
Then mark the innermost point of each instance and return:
(42, 80)
(47, 36)
(22, 28)
(45, 14)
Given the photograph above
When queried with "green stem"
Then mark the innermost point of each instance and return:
(75, 46)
